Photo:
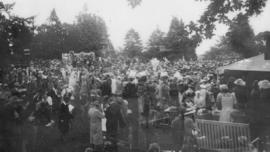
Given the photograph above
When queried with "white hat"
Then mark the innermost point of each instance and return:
(132, 74)
(178, 75)
(142, 74)
(223, 87)
(240, 82)
(264, 84)
(202, 86)
(164, 74)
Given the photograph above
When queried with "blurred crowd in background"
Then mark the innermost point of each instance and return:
(52, 92)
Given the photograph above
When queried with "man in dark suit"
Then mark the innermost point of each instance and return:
(115, 120)
(64, 117)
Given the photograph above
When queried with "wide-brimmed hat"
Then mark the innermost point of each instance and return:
(132, 74)
(240, 82)
(178, 75)
(164, 74)
(223, 87)
(203, 86)
(264, 84)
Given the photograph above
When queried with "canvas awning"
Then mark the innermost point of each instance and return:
(256, 63)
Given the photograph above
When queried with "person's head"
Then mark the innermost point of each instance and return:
(223, 88)
(96, 104)
(240, 82)
(66, 97)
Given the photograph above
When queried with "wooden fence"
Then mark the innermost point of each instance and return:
(223, 136)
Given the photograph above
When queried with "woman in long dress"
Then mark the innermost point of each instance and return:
(96, 137)
(227, 100)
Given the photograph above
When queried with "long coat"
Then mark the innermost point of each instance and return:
(115, 120)
(96, 136)
(64, 118)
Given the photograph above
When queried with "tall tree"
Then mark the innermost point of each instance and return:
(222, 51)
(15, 34)
(241, 37)
(49, 40)
(133, 44)
(262, 41)
(93, 33)
(221, 11)
(134, 3)
(72, 38)
(179, 41)
(155, 43)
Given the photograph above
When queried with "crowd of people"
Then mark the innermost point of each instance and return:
(121, 93)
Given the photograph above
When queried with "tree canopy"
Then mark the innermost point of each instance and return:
(219, 11)
(155, 44)
(88, 33)
(133, 46)
(15, 34)
(179, 42)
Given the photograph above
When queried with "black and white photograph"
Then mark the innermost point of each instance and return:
(134, 76)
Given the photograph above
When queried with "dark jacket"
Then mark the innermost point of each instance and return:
(130, 90)
(64, 118)
(106, 88)
(115, 119)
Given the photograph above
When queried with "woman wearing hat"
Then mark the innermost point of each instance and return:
(227, 100)
(241, 92)
(96, 137)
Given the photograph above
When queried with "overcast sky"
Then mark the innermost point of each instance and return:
(120, 17)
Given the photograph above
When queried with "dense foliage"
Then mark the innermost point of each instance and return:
(133, 45)
(15, 34)
(179, 42)
(235, 14)
(88, 33)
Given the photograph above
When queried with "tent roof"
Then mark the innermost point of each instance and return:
(256, 63)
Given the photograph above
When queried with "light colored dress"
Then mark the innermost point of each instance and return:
(227, 101)
(96, 116)
(200, 98)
